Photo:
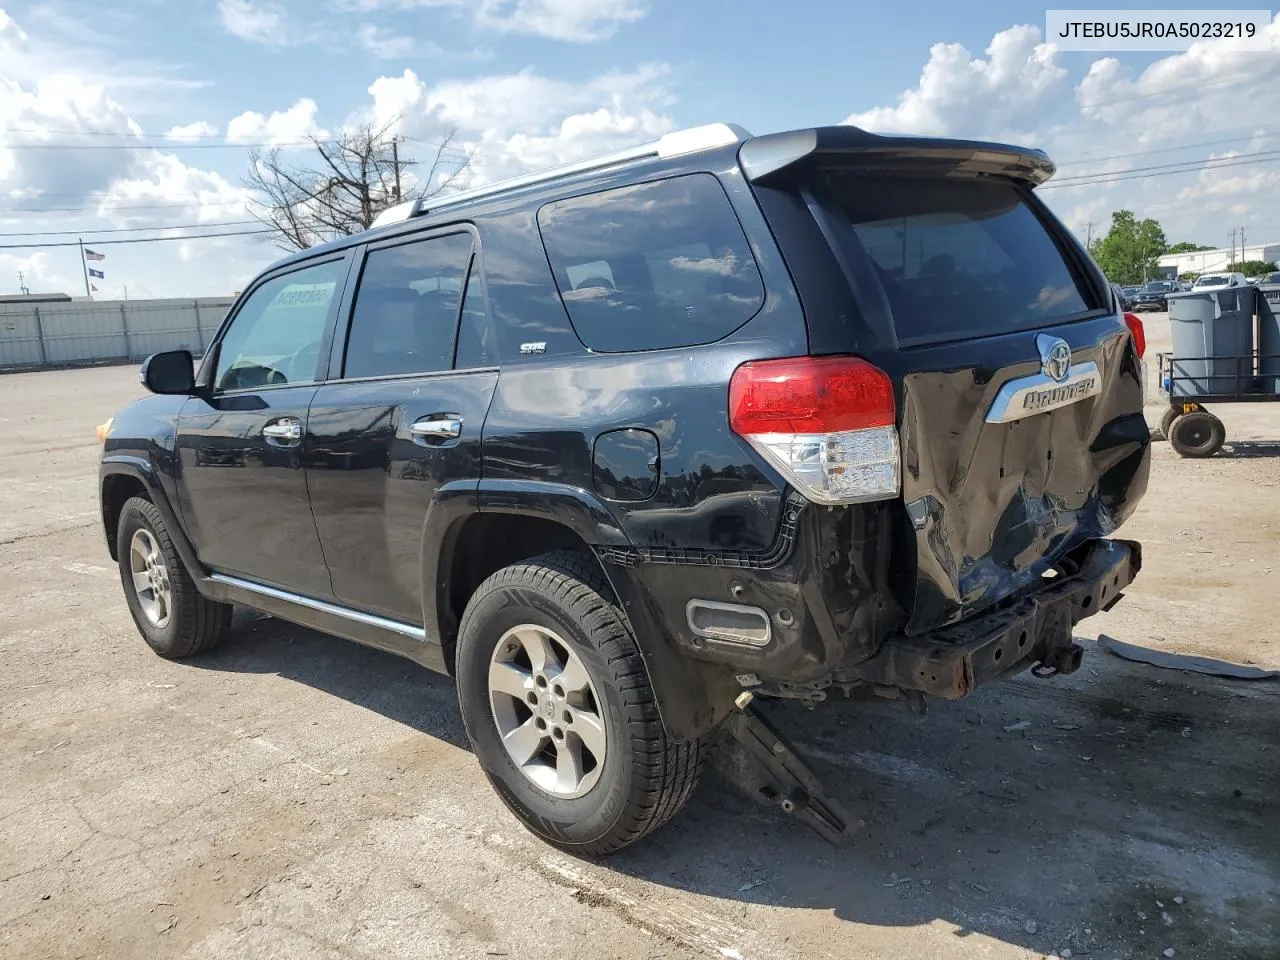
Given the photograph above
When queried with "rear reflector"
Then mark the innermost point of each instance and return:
(826, 423)
(1139, 333)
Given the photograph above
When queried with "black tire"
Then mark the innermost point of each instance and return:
(646, 777)
(195, 623)
(1166, 421)
(1197, 434)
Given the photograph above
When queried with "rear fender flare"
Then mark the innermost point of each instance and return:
(692, 696)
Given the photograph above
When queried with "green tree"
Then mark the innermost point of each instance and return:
(1251, 268)
(1186, 246)
(1129, 251)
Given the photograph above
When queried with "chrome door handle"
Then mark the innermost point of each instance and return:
(434, 431)
(284, 432)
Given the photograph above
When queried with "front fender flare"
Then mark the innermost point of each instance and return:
(141, 469)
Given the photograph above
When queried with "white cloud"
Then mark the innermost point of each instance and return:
(258, 21)
(579, 21)
(282, 127)
(575, 21)
(522, 121)
(961, 93)
(1108, 122)
(12, 36)
(186, 195)
(200, 130)
(384, 45)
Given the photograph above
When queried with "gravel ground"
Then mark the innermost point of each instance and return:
(292, 795)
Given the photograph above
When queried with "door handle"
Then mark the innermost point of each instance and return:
(436, 431)
(284, 432)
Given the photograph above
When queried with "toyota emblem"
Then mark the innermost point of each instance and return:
(1055, 357)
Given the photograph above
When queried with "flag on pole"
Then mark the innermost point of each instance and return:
(97, 274)
(90, 255)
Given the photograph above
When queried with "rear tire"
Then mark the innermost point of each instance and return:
(643, 777)
(1198, 434)
(174, 618)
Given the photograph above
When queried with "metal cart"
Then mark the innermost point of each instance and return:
(1191, 429)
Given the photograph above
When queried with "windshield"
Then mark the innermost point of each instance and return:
(1157, 286)
(1211, 281)
(958, 257)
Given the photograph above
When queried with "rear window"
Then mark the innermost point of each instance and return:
(653, 265)
(959, 257)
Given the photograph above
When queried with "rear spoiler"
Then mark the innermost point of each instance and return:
(781, 156)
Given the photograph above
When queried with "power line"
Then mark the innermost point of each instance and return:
(144, 206)
(170, 145)
(1185, 146)
(176, 226)
(103, 243)
(1165, 166)
(1201, 165)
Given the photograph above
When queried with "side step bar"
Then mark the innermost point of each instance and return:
(790, 785)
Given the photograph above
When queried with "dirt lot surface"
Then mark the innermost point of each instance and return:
(291, 795)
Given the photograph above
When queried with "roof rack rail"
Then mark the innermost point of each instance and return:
(674, 144)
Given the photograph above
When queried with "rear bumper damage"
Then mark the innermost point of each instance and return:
(1034, 631)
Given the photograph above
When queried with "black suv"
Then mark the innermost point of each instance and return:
(615, 444)
(1154, 296)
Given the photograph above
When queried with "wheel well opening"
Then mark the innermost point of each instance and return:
(117, 490)
(484, 545)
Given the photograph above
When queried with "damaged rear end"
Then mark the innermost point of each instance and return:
(971, 408)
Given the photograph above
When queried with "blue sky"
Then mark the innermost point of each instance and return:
(524, 83)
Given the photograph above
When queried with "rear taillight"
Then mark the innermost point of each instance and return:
(1139, 333)
(826, 423)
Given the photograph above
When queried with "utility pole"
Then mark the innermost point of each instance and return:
(84, 265)
(1233, 248)
(22, 284)
(1088, 242)
(1242, 254)
(395, 163)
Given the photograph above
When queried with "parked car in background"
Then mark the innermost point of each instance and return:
(1123, 297)
(1152, 296)
(1273, 277)
(624, 444)
(1217, 281)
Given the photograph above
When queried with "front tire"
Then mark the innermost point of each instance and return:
(560, 712)
(174, 618)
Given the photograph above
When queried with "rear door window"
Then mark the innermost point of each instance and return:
(406, 311)
(655, 265)
(959, 258)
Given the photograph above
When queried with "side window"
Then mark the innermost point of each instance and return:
(406, 311)
(275, 337)
(654, 265)
(475, 341)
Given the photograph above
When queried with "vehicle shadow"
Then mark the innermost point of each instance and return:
(1049, 815)
(386, 684)
(1248, 449)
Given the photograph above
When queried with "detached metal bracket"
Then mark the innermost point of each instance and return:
(791, 785)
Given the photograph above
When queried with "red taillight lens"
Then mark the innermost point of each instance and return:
(809, 395)
(1139, 333)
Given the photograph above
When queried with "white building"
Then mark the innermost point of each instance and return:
(1208, 261)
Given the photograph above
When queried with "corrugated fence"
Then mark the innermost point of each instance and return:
(51, 334)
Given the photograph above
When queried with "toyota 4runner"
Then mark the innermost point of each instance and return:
(618, 443)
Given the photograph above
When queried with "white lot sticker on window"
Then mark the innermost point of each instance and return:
(303, 295)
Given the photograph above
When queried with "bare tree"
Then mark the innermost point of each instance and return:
(359, 174)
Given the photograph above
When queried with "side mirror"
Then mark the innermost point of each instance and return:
(171, 372)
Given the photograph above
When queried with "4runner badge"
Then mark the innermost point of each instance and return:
(1058, 384)
(1055, 357)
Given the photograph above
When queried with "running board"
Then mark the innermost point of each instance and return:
(791, 785)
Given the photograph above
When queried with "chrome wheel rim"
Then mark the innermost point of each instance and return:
(150, 578)
(547, 711)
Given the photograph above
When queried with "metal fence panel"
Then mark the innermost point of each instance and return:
(60, 333)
